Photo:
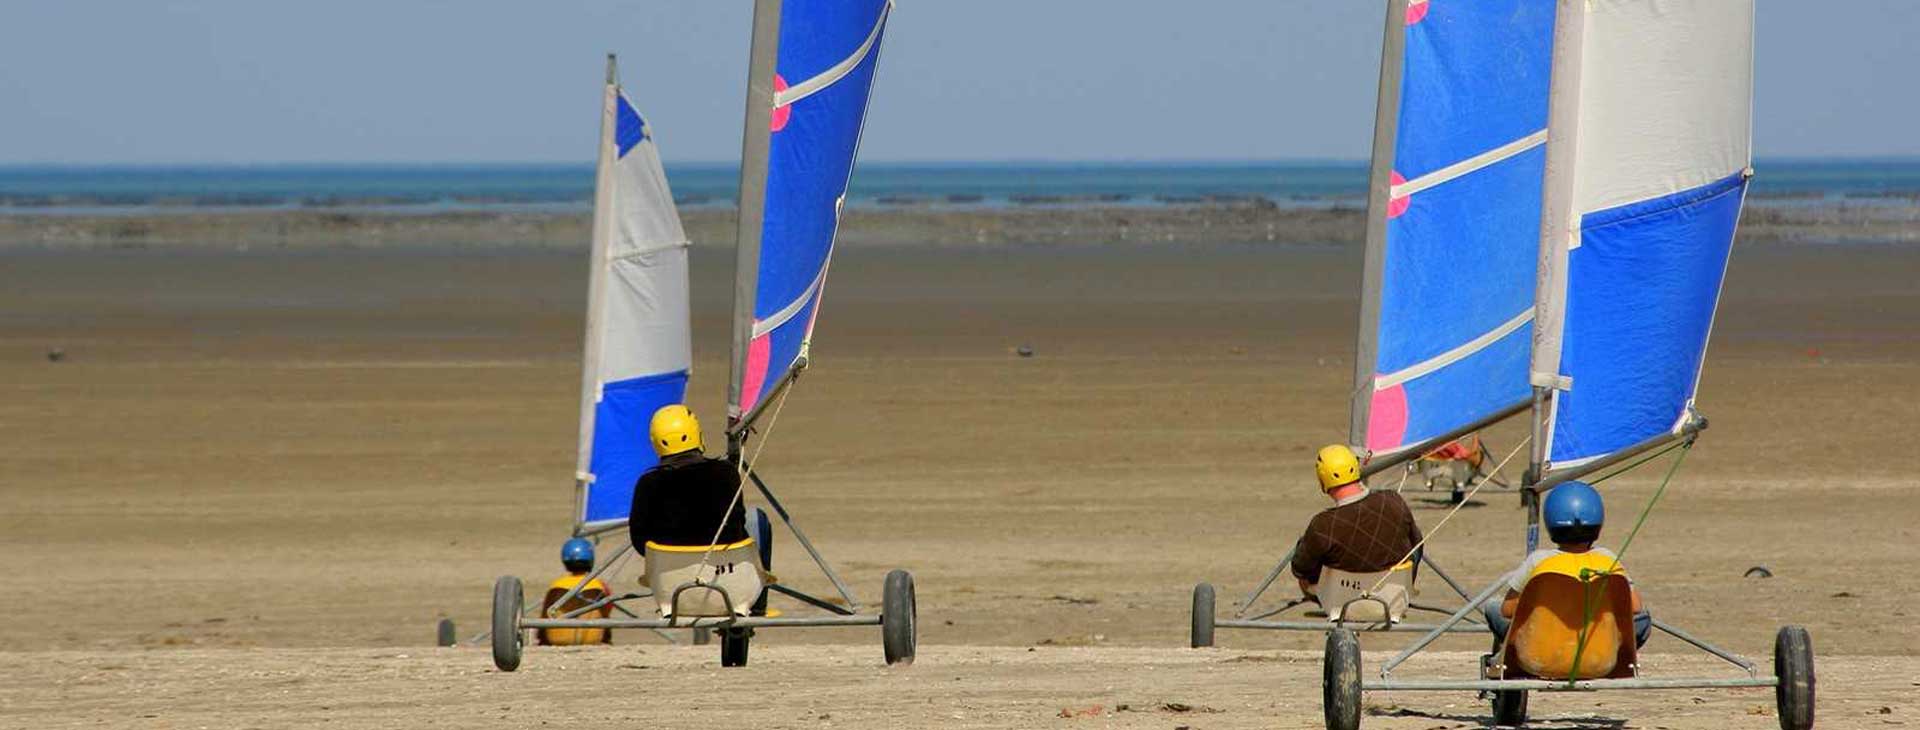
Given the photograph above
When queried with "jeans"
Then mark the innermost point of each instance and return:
(1642, 623)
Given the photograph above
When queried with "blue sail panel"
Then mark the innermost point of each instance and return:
(621, 449)
(828, 53)
(1462, 223)
(1644, 283)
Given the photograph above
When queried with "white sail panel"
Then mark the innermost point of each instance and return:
(1651, 142)
(638, 347)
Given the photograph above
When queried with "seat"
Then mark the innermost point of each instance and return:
(594, 591)
(1566, 596)
(1352, 596)
(696, 581)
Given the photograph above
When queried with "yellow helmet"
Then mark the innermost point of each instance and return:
(674, 430)
(1337, 467)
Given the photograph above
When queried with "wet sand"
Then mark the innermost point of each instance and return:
(245, 454)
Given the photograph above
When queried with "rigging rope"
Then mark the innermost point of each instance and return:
(746, 468)
(1593, 602)
(1428, 535)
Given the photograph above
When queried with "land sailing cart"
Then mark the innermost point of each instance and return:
(810, 75)
(1626, 124)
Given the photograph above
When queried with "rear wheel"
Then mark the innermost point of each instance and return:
(1793, 667)
(507, 604)
(1340, 681)
(733, 646)
(1201, 633)
(1510, 707)
(899, 633)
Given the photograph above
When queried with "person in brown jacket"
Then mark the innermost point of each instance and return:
(1363, 532)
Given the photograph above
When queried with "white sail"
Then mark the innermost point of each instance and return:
(638, 344)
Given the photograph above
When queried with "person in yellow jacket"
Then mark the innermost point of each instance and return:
(577, 557)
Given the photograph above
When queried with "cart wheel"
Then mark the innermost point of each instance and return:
(733, 647)
(507, 604)
(1509, 707)
(447, 635)
(1459, 495)
(1793, 666)
(1202, 632)
(898, 631)
(1340, 683)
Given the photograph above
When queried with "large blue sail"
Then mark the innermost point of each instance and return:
(1656, 110)
(1454, 219)
(823, 73)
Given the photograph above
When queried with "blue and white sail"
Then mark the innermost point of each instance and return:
(810, 76)
(638, 345)
(1453, 220)
(1648, 167)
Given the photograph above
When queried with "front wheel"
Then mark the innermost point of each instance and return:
(507, 604)
(733, 647)
(1793, 668)
(1509, 707)
(1200, 634)
(899, 633)
(1340, 680)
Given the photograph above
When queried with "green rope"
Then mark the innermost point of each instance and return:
(1643, 460)
(1594, 594)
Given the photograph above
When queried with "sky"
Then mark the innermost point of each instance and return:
(476, 81)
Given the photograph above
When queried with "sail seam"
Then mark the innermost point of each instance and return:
(1469, 165)
(838, 71)
(1454, 355)
(774, 321)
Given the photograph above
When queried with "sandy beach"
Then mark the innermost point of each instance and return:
(255, 479)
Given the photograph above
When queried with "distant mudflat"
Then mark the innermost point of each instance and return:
(1231, 221)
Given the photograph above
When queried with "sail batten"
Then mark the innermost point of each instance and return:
(1649, 162)
(1453, 226)
(638, 348)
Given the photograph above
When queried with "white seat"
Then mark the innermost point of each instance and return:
(1352, 596)
(694, 572)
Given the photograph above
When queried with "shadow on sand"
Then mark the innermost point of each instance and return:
(1588, 722)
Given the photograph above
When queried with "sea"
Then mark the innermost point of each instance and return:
(107, 190)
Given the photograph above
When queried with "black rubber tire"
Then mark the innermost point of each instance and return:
(1509, 707)
(507, 637)
(1793, 666)
(733, 646)
(1201, 633)
(445, 634)
(899, 619)
(1340, 680)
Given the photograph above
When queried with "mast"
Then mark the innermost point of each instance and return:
(755, 143)
(1386, 128)
(603, 223)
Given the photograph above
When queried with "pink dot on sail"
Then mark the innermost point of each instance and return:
(1397, 204)
(1387, 418)
(780, 111)
(758, 352)
(1416, 11)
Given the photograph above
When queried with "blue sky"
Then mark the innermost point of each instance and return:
(232, 81)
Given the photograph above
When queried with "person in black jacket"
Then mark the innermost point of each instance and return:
(686, 497)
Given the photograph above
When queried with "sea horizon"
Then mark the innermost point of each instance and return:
(432, 187)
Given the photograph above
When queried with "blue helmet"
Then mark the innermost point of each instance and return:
(1574, 513)
(577, 555)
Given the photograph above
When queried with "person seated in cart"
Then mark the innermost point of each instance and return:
(1574, 514)
(577, 557)
(1363, 532)
(684, 499)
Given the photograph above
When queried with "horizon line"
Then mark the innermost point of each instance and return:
(1038, 161)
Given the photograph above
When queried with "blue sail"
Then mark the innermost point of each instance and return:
(1452, 256)
(638, 340)
(828, 52)
(1641, 224)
